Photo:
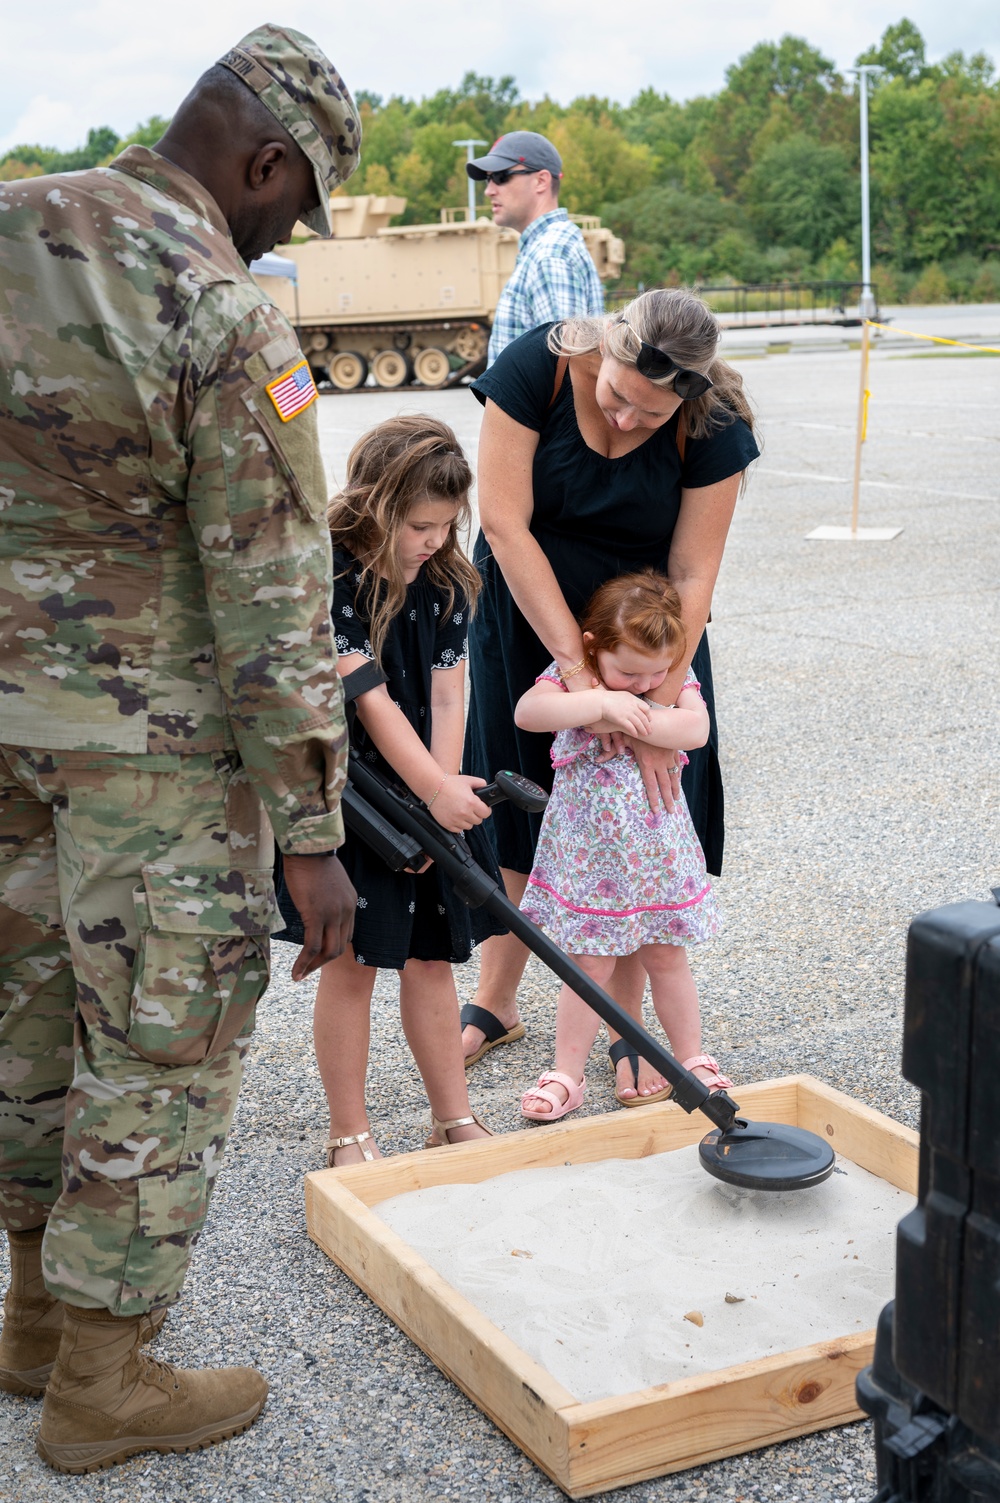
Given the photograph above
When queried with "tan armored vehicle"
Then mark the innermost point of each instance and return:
(414, 303)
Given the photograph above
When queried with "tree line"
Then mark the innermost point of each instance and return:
(759, 182)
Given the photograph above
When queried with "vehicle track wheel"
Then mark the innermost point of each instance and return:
(391, 368)
(347, 370)
(431, 367)
(470, 343)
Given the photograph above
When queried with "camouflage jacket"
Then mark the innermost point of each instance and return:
(165, 570)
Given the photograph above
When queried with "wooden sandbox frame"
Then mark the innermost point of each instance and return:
(590, 1447)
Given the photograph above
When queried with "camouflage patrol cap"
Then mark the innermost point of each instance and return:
(305, 93)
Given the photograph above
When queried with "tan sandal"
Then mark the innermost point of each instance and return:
(437, 1126)
(358, 1139)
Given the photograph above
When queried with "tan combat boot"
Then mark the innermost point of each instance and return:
(107, 1399)
(32, 1319)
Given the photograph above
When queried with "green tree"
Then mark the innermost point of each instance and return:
(670, 131)
(428, 175)
(789, 74)
(147, 134)
(902, 52)
(800, 192)
(599, 161)
(671, 235)
(102, 143)
(484, 101)
(935, 170)
(977, 71)
(14, 167)
(40, 158)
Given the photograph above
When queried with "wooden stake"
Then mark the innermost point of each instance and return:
(862, 415)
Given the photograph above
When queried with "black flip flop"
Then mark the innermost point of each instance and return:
(487, 1022)
(623, 1050)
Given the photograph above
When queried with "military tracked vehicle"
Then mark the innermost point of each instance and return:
(411, 303)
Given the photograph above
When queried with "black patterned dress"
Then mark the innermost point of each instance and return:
(401, 916)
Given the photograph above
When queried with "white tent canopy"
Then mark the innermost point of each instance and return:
(271, 265)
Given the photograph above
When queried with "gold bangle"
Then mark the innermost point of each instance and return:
(438, 789)
(572, 672)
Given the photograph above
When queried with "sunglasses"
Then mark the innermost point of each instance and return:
(656, 364)
(499, 178)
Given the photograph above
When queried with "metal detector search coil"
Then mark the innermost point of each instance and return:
(767, 1156)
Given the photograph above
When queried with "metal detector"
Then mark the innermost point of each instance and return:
(402, 831)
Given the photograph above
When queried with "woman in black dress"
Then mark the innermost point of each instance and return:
(608, 445)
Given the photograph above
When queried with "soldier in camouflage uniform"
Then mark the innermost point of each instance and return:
(168, 697)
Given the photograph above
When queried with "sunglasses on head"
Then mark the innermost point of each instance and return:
(656, 364)
(499, 178)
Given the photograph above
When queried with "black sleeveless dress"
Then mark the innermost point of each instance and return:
(594, 518)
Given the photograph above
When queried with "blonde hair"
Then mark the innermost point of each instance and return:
(677, 322)
(402, 461)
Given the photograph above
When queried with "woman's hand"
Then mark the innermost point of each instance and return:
(455, 806)
(660, 771)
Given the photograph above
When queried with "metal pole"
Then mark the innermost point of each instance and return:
(866, 222)
(470, 146)
(867, 300)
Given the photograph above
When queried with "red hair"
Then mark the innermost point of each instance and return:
(635, 610)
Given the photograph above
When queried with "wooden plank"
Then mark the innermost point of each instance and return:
(866, 1137)
(512, 1388)
(619, 1135)
(618, 1441)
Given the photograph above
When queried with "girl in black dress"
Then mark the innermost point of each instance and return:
(402, 597)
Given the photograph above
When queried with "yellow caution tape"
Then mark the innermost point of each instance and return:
(933, 338)
(864, 416)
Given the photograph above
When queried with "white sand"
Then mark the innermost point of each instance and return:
(592, 1268)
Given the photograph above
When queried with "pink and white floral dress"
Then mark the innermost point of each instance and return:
(609, 875)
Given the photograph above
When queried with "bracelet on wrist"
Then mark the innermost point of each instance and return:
(438, 789)
(565, 673)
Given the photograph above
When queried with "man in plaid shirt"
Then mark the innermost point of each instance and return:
(554, 276)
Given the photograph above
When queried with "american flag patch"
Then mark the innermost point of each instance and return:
(293, 391)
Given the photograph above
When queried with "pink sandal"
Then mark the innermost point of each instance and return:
(718, 1082)
(574, 1097)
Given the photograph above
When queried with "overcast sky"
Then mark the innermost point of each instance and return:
(116, 62)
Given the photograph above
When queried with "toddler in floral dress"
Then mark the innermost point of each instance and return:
(611, 878)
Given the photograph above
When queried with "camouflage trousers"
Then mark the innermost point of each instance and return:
(136, 901)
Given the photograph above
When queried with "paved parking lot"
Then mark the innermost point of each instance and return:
(858, 712)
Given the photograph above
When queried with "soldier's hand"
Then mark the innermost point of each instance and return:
(321, 890)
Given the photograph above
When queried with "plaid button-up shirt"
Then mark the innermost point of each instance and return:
(553, 277)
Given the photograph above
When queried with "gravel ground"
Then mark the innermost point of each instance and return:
(858, 714)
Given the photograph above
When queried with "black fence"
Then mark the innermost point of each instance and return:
(765, 305)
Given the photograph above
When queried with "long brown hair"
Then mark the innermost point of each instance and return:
(641, 610)
(407, 459)
(676, 321)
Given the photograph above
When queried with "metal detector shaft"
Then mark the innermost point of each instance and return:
(477, 889)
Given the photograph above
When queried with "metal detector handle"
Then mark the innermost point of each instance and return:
(521, 792)
(477, 888)
(399, 852)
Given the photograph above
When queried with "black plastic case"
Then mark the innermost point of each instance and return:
(934, 1387)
